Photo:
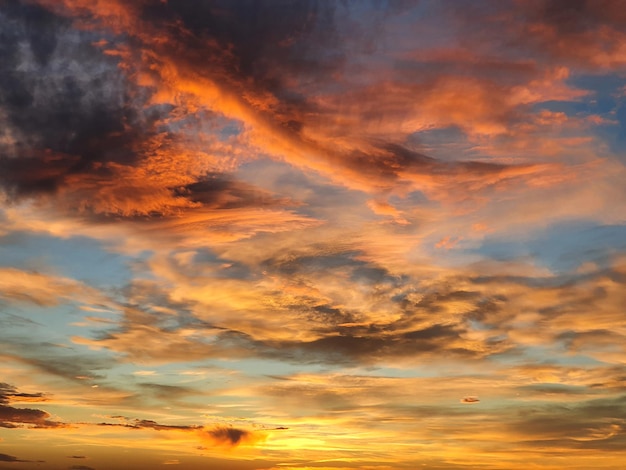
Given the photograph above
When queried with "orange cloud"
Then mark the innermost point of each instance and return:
(45, 290)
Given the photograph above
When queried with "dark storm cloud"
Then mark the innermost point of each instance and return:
(277, 69)
(81, 130)
(253, 45)
(74, 120)
(274, 70)
(66, 106)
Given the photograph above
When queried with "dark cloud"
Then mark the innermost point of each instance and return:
(78, 126)
(218, 435)
(11, 417)
(76, 457)
(80, 467)
(578, 16)
(10, 458)
(9, 392)
(219, 191)
(584, 33)
(251, 46)
(78, 121)
(77, 132)
(228, 435)
(67, 109)
(276, 69)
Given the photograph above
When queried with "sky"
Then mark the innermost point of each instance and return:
(312, 234)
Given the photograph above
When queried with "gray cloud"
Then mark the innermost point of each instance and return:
(10, 458)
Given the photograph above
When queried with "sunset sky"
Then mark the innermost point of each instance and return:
(312, 234)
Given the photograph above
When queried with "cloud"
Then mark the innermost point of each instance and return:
(213, 315)
(183, 188)
(10, 458)
(11, 417)
(116, 156)
(250, 84)
(10, 393)
(218, 435)
(56, 360)
(356, 192)
(45, 290)
(470, 400)
(585, 33)
(592, 424)
(231, 437)
(58, 128)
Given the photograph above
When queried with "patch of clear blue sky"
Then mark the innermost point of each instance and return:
(52, 323)
(606, 100)
(561, 247)
(79, 258)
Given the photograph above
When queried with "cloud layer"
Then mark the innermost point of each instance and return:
(309, 234)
